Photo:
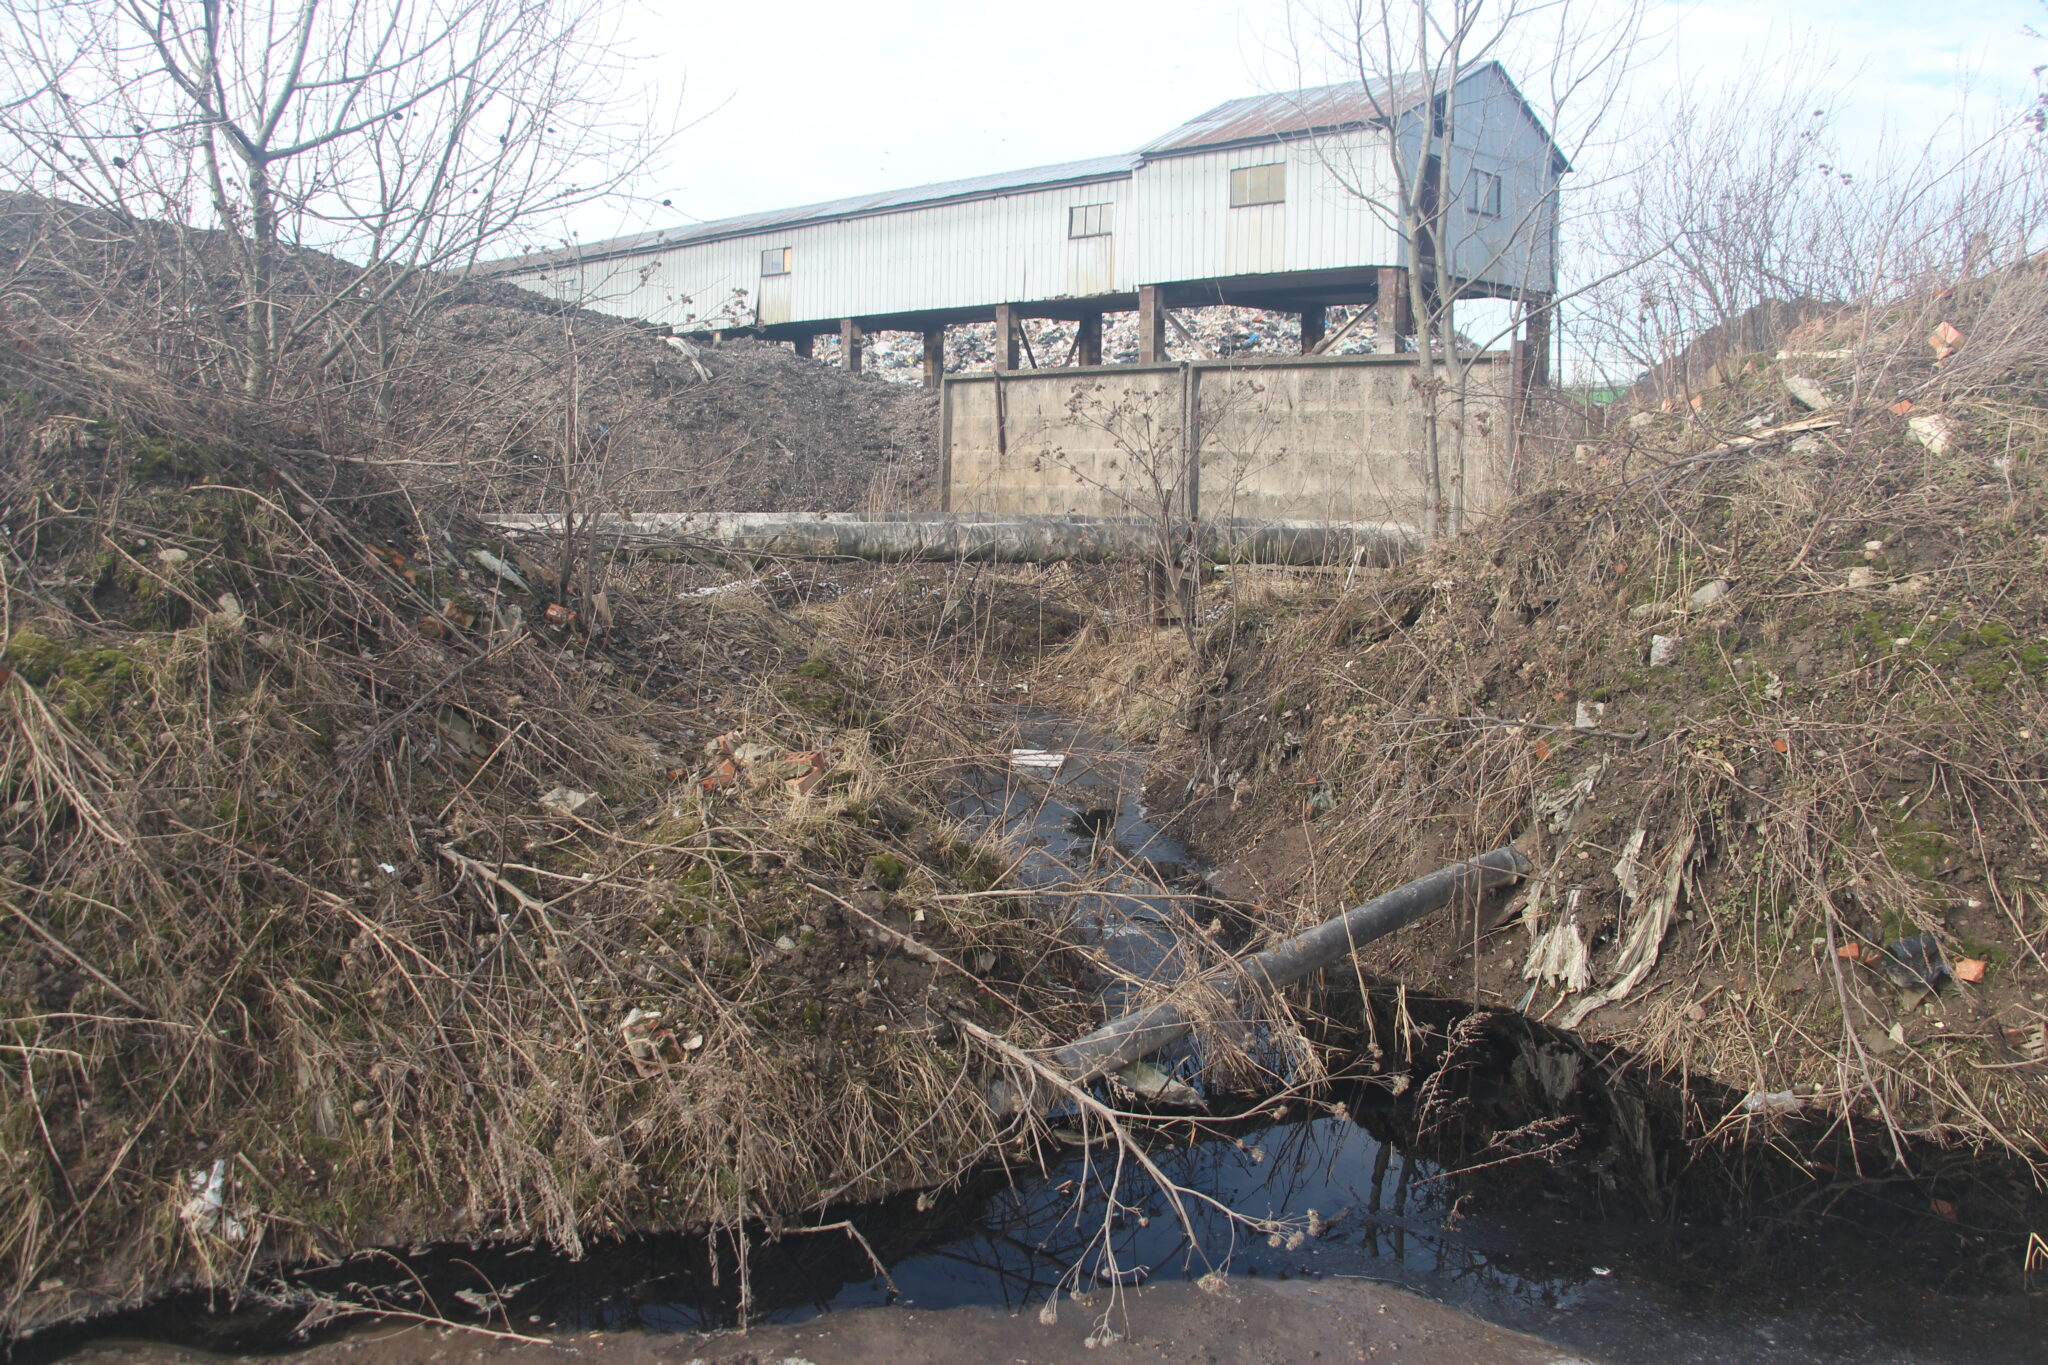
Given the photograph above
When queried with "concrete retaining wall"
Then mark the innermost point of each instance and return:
(1326, 438)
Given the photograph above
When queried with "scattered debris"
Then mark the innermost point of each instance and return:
(1664, 649)
(1037, 762)
(205, 1212)
(1945, 340)
(1149, 1081)
(1916, 963)
(1933, 430)
(1651, 911)
(1707, 594)
(1775, 1102)
(566, 800)
(499, 567)
(1970, 969)
(1809, 393)
(1559, 955)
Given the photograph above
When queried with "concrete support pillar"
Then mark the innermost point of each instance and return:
(852, 340)
(1088, 340)
(934, 356)
(1005, 356)
(1393, 317)
(1151, 325)
(1537, 328)
(805, 345)
(1314, 322)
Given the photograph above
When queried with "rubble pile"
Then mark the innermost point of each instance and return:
(1046, 343)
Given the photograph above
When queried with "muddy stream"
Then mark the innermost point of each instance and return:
(969, 1272)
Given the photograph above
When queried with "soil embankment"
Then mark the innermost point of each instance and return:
(1768, 707)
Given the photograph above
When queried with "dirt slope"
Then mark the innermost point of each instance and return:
(368, 879)
(1760, 711)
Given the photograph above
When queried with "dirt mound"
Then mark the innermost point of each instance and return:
(1769, 708)
(371, 879)
(477, 391)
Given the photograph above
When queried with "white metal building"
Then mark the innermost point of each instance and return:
(1266, 201)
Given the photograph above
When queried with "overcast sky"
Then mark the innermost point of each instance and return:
(806, 100)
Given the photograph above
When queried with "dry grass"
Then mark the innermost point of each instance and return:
(1844, 746)
(285, 898)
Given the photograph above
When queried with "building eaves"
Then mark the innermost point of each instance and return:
(855, 206)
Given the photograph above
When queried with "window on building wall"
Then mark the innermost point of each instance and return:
(1485, 198)
(1088, 220)
(1258, 185)
(775, 261)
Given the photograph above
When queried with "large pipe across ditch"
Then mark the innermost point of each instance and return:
(1018, 539)
(1144, 1031)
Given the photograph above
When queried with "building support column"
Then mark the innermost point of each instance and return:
(852, 340)
(1088, 340)
(1315, 320)
(1004, 356)
(1393, 317)
(806, 345)
(934, 355)
(1536, 328)
(1151, 325)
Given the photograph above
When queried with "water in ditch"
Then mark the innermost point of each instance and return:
(1878, 1279)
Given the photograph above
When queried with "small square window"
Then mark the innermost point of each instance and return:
(1485, 198)
(1258, 185)
(1088, 220)
(775, 261)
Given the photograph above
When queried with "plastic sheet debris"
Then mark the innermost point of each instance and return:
(503, 570)
(1150, 1082)
(739, 585)
(1037, 762)
(1707, 594)
(1771, 1103)
(206, 1211)
(1559, 956)
(651, 1046)
(1916, 963)
(566, 800)
(1933, 431)
(1809, 393)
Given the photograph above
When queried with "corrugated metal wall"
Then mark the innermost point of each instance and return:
(1171, 218)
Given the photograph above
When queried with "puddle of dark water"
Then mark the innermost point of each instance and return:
(1532, 1247)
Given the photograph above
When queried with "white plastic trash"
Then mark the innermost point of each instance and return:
(1037, 762)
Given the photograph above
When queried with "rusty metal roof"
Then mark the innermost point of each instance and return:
(1289, 113)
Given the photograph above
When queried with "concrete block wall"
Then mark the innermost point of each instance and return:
(1312, 438)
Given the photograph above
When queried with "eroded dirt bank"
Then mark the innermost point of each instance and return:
(1769, 714)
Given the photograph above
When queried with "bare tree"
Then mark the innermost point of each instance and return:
(1748, 212)
(406, 137)
(1426, 177)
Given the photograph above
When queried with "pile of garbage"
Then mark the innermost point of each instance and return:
(1046, 343)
